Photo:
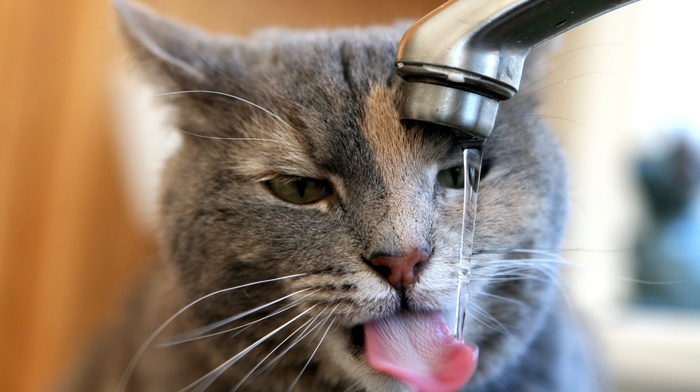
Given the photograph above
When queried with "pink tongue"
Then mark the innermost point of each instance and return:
(420, 351)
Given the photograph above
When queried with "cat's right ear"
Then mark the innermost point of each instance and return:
(166, 48)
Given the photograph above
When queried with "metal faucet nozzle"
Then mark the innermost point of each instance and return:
(461, 60)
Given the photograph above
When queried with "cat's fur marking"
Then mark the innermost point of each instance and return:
(327, 110)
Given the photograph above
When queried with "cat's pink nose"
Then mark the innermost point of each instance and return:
(401, 271)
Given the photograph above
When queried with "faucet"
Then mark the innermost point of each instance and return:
(464, 58)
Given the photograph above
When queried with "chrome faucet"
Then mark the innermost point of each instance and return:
(464, 58)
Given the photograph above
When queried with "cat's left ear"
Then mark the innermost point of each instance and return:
(171, 51)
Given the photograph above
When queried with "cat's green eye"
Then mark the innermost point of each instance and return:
(300, 190)
(452, 178)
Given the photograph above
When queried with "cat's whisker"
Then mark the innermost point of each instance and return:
(139, 353)
(493, 323)
(245, 326)
(513, 256)
(509, 269)
(525, 269)
(242, 328)
(199, 333)
(253, 104)
(310, 328)
(205, 381)
(577, 50)
(538, 91)
(508, 275)
(510, 278)
(499, 297)
(535, 262)
(555, 253)
(317, 346)
(245, 378)
(235, 139)
(562, 60)
(217, 70)
(585, 267)
(548, 264)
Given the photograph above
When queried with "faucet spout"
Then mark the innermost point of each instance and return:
(464, 58)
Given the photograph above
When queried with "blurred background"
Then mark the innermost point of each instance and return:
(81, 145)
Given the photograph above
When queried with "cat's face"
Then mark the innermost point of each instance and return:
(295, 165)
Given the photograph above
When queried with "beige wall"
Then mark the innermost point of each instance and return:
(67, 243)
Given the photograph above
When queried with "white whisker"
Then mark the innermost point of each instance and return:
(494, 324)
(121, 387)
(537, 91)
(500, 298)
(255, 105)
(247, 376)
(306, 332)
(197, 333)
(519, 263)
(516, 272)
(315, 349)
(217, 70)
(549, 60)
(553, 259)
(243, 327)
(236, 139)
(546, 252)
(205, 381)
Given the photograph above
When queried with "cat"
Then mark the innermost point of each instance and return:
(295, 189)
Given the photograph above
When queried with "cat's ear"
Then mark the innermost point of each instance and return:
(163, 46)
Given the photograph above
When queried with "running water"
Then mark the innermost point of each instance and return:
(472, 173)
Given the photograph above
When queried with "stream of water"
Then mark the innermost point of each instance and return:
(472, 173)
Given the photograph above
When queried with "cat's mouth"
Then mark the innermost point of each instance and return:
(356, 333)
(357, 340)
(417, 349)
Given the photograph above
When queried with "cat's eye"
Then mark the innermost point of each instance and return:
(452, 177)
(300, 190)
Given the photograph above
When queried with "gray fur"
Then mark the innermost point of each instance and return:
(220, 227)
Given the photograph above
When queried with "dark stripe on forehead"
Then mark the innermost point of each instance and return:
(333, 79)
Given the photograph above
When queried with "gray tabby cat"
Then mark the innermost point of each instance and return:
(295, 195)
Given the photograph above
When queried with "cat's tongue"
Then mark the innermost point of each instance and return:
(420, 351)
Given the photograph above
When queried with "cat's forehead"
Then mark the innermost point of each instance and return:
(338, 95)
(358, 137)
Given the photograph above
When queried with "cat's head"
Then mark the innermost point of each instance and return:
(294, 164)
